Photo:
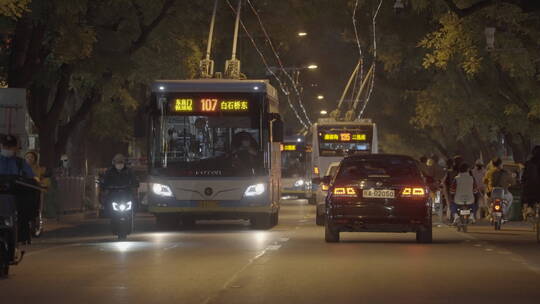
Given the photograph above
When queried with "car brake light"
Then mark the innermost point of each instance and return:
(497, 207)
(324, 187)
(413, 192)
(344, 192)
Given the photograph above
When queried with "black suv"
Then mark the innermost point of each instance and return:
(378, 193)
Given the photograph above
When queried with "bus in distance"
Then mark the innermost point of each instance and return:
(214, 152)
(296, 168)
(333, 140)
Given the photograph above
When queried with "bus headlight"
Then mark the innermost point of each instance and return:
(299, 183)
(121, 206)
(255, 190)
(162, 190)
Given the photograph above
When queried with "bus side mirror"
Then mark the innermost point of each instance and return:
(277, 128)
(322, 180)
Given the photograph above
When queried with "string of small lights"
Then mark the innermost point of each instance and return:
(372, 86)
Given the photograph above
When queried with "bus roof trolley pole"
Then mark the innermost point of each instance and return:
(206, 65)
(232, 66)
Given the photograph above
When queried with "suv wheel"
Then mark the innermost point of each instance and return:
(319, 219)
(331, 234)
(275, 218)
(424, 235)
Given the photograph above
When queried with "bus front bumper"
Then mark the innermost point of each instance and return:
(211, 206)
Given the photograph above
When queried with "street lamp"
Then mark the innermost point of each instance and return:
(302, 34)
(324, 112)
(320, 97)
(312, 67)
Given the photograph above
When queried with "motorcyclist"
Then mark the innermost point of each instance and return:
(10, 164)
(497, 177)
(463, 191)
(530, 181)
(119, 175)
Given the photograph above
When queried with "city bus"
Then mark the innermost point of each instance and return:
(333, 140)
(214, 152)
(296, 168)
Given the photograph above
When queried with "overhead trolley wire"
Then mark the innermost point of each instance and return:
(278, 58)
(265, 62)
(374, 26)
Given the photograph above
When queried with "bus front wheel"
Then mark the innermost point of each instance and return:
(262, 221)
(166, 221)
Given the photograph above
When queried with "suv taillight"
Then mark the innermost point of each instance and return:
(344, 192)
(416, 192)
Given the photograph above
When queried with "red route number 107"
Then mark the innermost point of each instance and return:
(209, 105)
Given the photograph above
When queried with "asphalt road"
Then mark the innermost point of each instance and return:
(228, 263)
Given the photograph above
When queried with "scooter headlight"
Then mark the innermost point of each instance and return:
(122, 206)
(7, 221)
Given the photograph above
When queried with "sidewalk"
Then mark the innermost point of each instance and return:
(68, 220)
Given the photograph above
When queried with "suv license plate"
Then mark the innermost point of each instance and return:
(497, 213)
(372, 193)
(208, 204)
(465, 212)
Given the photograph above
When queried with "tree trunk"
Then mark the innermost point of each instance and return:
(48, 155)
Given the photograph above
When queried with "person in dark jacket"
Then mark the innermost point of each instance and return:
(27, 198)
(119, 175)
(530, 181)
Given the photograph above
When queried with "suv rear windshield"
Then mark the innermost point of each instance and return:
(391, 167)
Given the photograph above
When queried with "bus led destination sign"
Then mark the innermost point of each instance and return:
(208, 105)
(344, 137)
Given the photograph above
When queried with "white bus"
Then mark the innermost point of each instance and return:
(214, 151)
(333, 140)
(296, 169)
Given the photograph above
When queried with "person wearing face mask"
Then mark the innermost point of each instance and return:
(119, 175)
(10, 164)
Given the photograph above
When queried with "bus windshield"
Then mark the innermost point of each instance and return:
(293, 163)
(195, 145)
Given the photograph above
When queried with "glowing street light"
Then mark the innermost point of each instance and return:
(312, 67)
(302, 34)
(320, 97)
(324, 112)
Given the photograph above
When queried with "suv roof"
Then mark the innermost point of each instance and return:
(376, 156)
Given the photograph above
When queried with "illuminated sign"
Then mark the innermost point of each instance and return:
(289, 148)
(331, 137)
(344, 137)
(209, 105)
(359, 137)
